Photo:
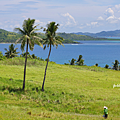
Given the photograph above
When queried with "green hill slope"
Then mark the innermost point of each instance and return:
(11, 37)
(6, 36)
(71, 92)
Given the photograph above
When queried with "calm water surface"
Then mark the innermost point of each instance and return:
(101, 52)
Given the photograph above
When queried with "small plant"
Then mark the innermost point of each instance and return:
(96, 64)
(106, 66)
(1, 56)
(72, 62)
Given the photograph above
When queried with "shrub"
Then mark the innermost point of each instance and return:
(106, 66)
(1, 56)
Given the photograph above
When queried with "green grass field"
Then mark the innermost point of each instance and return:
(71, 92)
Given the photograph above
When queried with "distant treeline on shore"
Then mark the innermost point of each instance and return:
(11, 37)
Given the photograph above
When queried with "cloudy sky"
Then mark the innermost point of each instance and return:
(72, 15)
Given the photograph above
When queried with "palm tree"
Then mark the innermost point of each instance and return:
(29, 37)
(72, 62)
(80, 57)
(116, 65)
(11, 52)
(51, 40)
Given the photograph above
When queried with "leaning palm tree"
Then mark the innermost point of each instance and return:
(29, 36)
(51, 40)
(11, 52)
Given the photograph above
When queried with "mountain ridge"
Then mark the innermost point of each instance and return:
(115, 33)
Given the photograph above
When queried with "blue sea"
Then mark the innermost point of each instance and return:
(101, 52)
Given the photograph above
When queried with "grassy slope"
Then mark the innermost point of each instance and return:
(71, 92)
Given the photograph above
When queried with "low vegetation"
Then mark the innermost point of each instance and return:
(71, 92)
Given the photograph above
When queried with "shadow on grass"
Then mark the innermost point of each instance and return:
(11, 89)
(9, 85)
(18, 90)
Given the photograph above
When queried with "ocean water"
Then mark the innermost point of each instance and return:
(101, 52)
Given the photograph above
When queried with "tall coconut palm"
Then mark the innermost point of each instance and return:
(51, 40)
(29, 36)
(11, 52)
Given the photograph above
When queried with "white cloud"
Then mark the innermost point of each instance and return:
(25, 17)
(112, 19)
(109, 12)
(11, 26)
(71, 19)
(94, 23)
(100, 18)
(40, 23)
(117, 6)
(14, 26)
(88, 24)
(17, 25)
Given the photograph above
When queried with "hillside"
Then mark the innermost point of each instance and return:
(6, 36)
(71, 92)
(11, 37)
(71, 36)
(115, 33)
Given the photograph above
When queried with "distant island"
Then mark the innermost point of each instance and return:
(115, 33)
(69, 38)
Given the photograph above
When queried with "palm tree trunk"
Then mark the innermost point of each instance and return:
(25, 65)
(46, 69)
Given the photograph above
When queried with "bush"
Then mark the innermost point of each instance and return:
(106, 66)
(96, 64)
(1, 56)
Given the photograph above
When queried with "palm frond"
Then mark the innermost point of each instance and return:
(35, 26)
(44, 47)
(38, 43)
(19, 31)
(34, 31)
(5, 49)
(23, 45)
(21, 38)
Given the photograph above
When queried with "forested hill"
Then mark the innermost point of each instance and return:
(6, 36)
(71, 36)
(11, 37)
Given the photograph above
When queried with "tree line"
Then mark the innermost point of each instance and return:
(80, 62)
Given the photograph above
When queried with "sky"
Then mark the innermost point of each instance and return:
(72, 15)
